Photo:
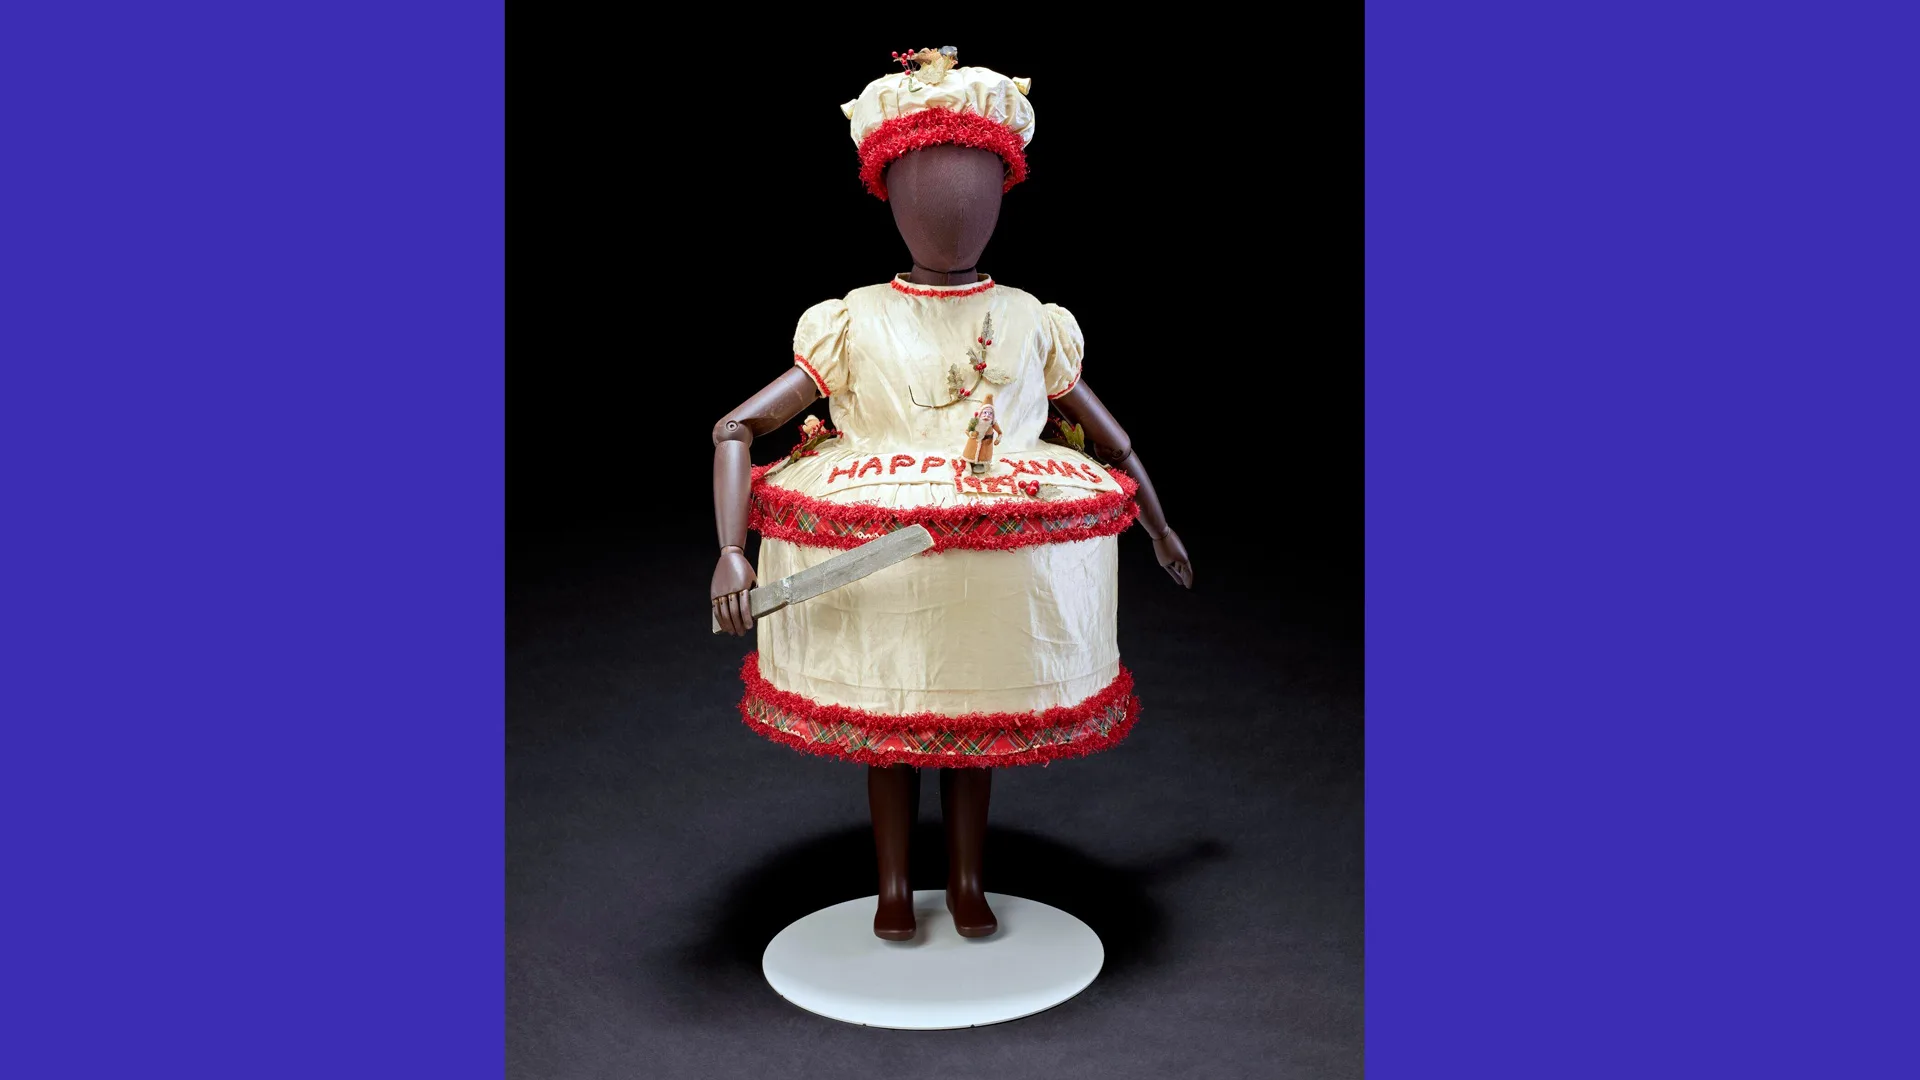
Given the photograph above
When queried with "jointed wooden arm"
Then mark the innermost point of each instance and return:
(1108, 441)
(778, 402)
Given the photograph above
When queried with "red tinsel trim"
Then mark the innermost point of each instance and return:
(817, 380)
(935, 127)
(973, 527)
(944, 294)
(1117, 692)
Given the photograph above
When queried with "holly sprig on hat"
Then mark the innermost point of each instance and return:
(927, 66)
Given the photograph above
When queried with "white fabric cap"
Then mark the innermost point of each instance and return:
(977, 90)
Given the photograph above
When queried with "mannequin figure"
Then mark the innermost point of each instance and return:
(946, 152)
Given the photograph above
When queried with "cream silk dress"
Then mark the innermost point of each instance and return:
(998, 646)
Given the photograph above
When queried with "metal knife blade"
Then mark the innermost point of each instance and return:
(844, 569)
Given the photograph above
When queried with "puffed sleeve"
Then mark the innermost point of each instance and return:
(820, 345)
(1064, 346)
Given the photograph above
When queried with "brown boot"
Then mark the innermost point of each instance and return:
(963, 802)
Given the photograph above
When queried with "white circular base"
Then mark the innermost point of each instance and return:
(830, 963)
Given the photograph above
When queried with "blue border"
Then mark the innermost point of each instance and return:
(1641, 334)
(252, 328)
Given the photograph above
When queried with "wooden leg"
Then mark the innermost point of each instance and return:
(963, 798)
(892, 800)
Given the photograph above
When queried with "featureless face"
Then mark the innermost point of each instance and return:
(946, 201)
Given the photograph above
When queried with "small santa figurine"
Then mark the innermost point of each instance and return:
(982, 433)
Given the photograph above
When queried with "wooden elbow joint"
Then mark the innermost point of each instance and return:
(732, 429)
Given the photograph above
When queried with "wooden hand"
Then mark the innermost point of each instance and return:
(732, 577)
(1173, 557)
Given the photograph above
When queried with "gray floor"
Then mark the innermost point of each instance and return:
(655, 845)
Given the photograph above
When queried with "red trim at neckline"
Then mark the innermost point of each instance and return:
(942, 293)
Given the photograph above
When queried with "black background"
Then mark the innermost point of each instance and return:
(672, 212)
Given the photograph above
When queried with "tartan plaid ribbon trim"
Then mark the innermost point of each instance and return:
(998, 525)
(975, 740)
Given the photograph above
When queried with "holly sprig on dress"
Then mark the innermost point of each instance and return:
(812, 434)
(1064, 432)
(964, 380)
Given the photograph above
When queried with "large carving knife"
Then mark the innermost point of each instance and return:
(845, 569)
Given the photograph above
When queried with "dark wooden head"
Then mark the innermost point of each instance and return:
(946, 201)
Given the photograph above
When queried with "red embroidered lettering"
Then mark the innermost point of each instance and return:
(974, 482)
(1059, 468)
(847, 469)
(931, 462)
(1032, 467)
(899, 461)
(873, 463)
(1088, 472)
